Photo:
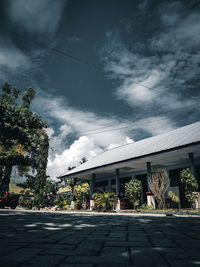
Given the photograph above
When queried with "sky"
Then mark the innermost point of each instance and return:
(106, 73)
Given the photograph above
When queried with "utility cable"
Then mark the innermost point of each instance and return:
(133, 125)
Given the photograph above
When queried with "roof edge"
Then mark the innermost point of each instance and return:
(126, 160)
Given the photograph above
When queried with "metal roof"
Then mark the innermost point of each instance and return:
(177, 138)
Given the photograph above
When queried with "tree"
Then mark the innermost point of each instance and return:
(81, 192)
(133, 191)
(191, 186)
(23, 140)
(83, 160)
(159, 184)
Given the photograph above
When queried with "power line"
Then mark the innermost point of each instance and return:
(129, 126)
(76, 58)
(99, 68)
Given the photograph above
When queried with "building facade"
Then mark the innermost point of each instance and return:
(173, 151)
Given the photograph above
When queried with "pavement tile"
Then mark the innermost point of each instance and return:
(89, 240)
(183, 263)
(20, 255)
(163, 243)
(76, 265)
(46, 260)
(96, 259)
(120, 243)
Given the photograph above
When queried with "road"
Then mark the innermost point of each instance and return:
(97, 240)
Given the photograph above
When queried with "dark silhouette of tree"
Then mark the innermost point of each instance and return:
(23, 140)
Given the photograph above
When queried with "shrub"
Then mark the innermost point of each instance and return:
(133, 191)
(174, 198)
(146, 207)
(81, 192)
(26, 203)
(77, 205)
(104, 201)
(191, 186)
(61, 202)
(21, 201)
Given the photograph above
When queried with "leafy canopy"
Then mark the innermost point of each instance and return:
(23, 140)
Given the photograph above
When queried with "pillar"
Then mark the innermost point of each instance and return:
(148, 174)
(92, 182)
(74, 183)
(192, 164)
(92, 186)
(150, 196)
(109, 185)
(72, 205)
(117, 188)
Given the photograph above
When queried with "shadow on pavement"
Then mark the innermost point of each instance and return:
(80, 239)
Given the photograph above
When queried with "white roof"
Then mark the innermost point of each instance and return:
(177, 138)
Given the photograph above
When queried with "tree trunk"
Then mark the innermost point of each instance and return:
(5, 173)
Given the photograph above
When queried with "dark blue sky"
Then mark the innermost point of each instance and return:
(103, 65)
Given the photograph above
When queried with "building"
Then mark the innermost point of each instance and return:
(174, 150)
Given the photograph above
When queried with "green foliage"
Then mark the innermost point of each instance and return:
(133, 191)
(77, 205)
(191, 185)
(174, 198)
(21, 200)
(104, 201)
(61, 202)
(25, 202)
(146, 207)
(51, 188)
(81, 192)
(23, 141)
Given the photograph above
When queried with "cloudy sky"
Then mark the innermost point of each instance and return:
(106, 73)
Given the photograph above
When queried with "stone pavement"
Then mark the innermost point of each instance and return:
(95, 240)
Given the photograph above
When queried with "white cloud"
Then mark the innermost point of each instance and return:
(135, 93)
(127, 140)
(77, 123)
(156, 125)
(83, 147)
(12, 60)
(168, 62)
(36, 16)
(181, 33)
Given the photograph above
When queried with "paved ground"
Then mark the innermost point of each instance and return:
(86, 240)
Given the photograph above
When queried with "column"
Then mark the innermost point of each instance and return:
(109, 185)
(192, 164)
(150, 196)
(148, 174)
(72, 197)
(117, 189)
(92, 186)
(117, 182)
(92, 182)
